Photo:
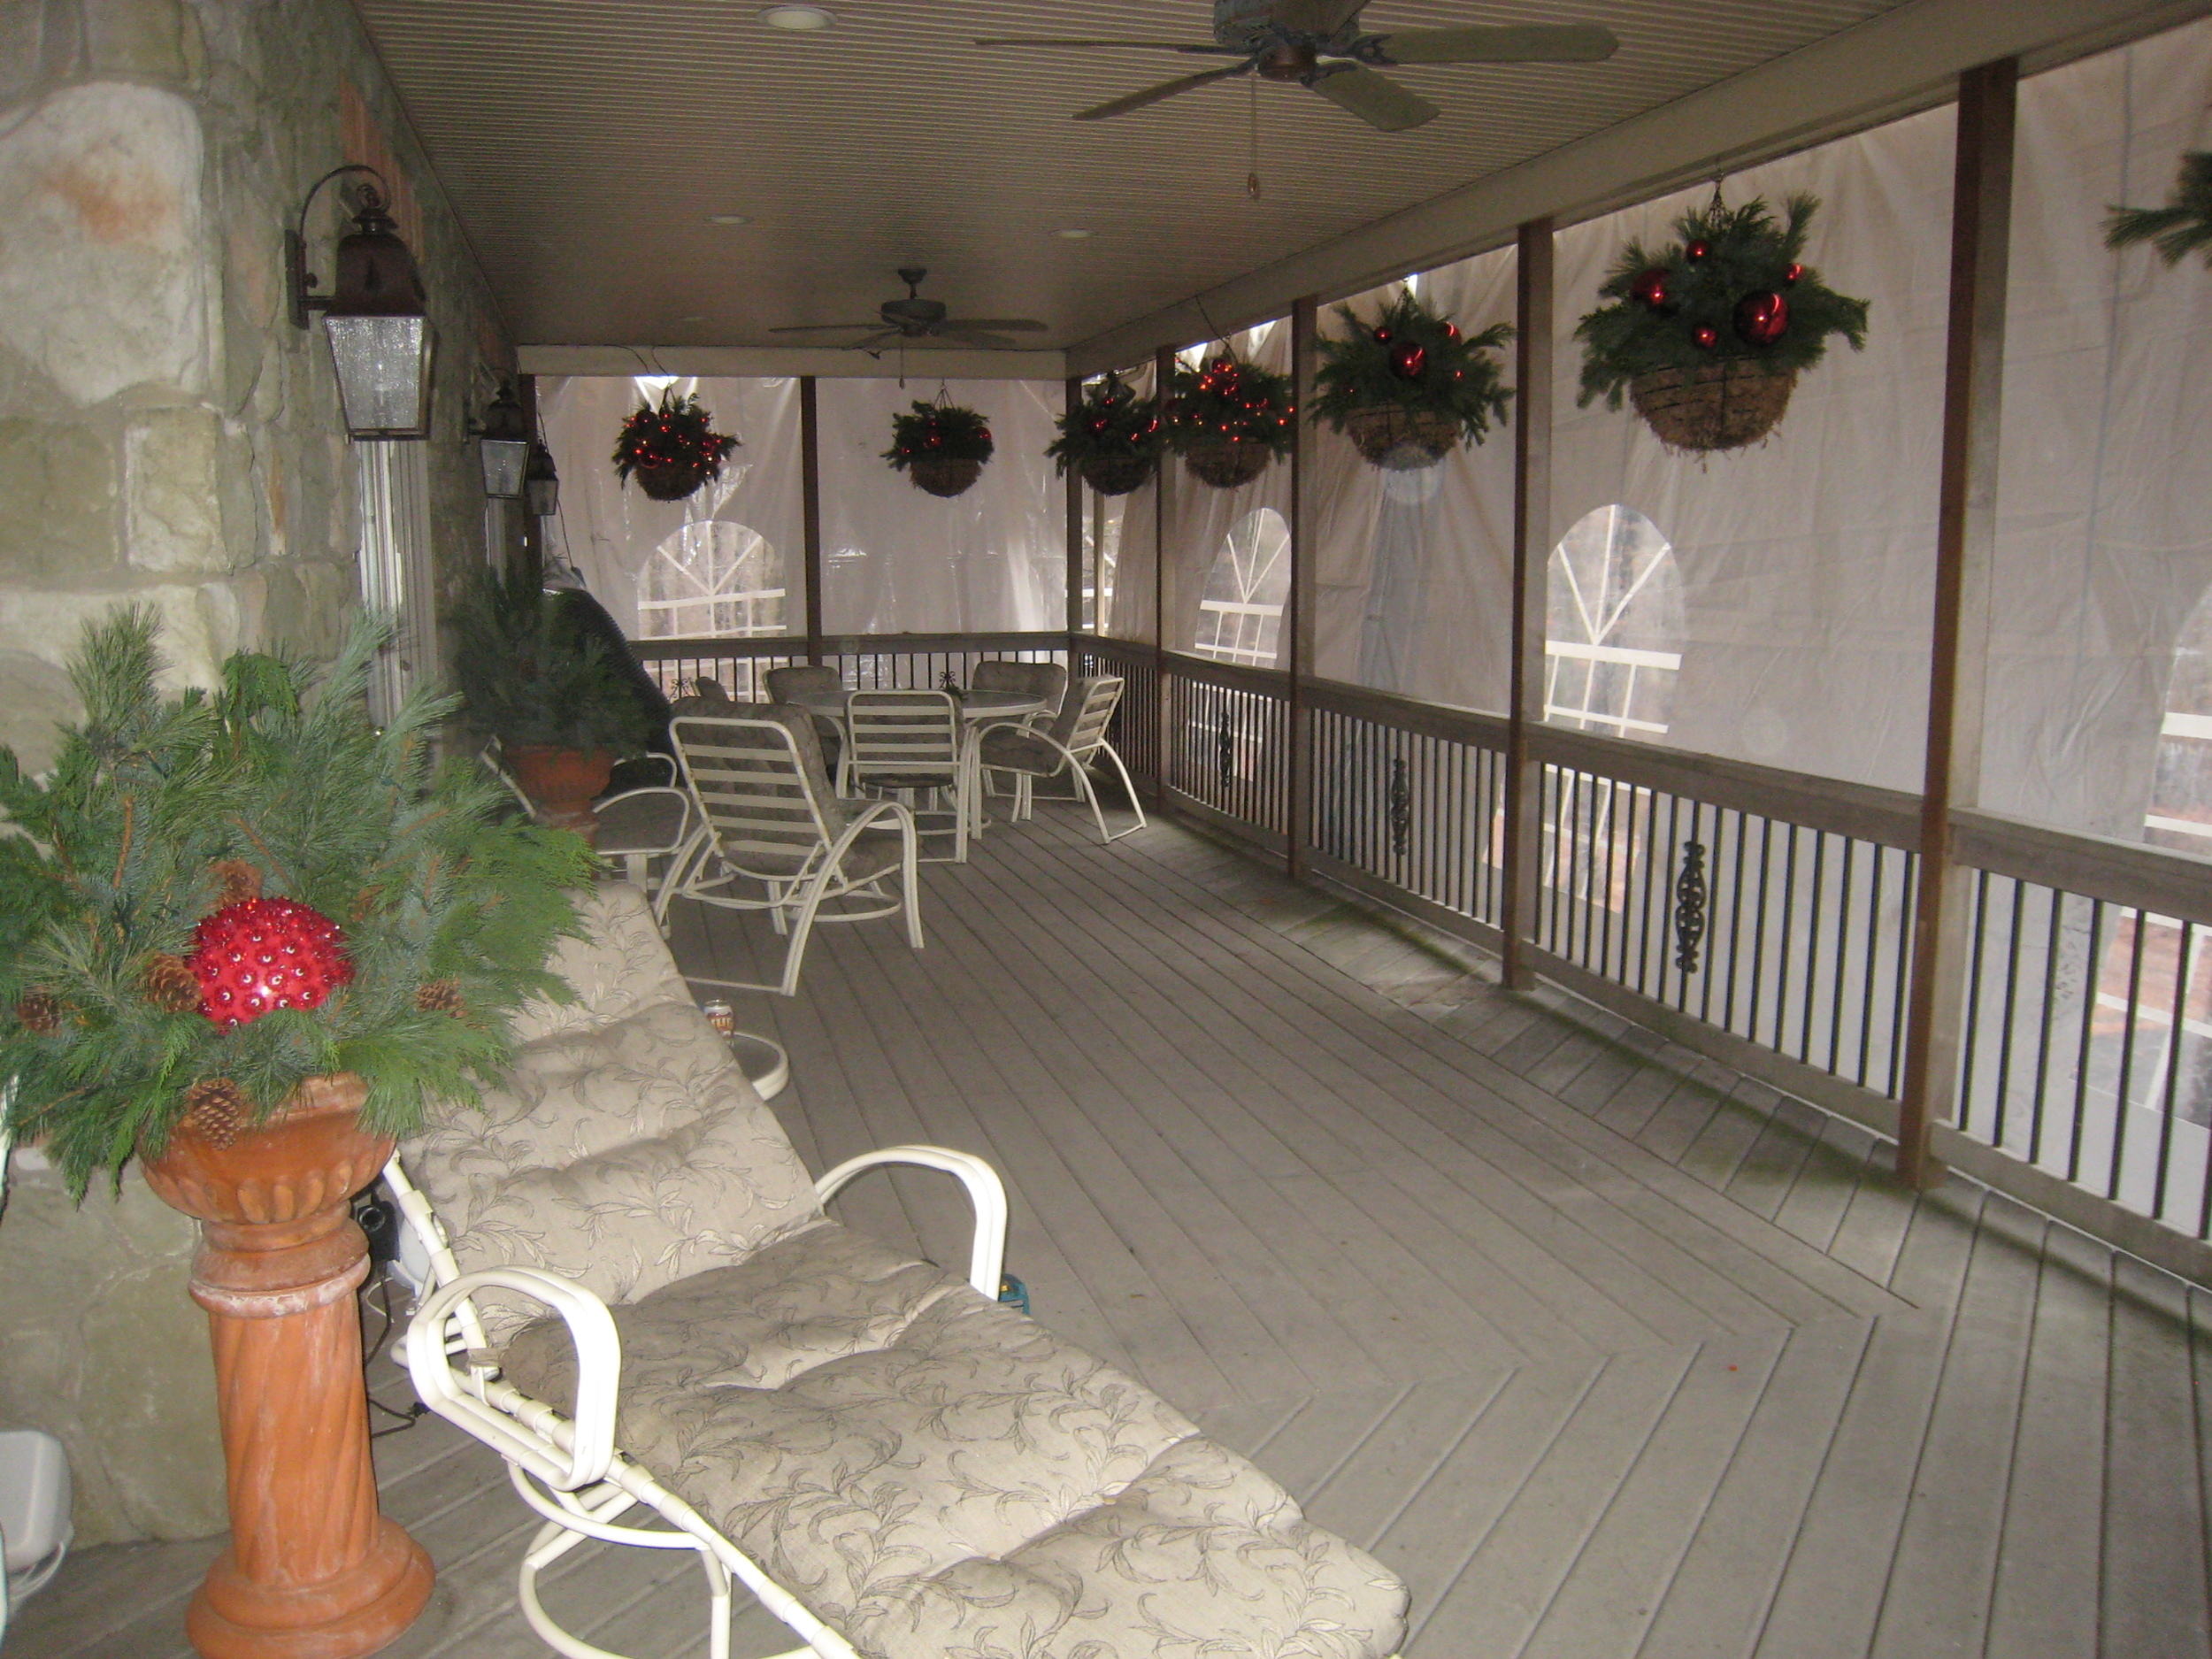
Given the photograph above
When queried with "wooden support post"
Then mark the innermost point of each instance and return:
(1075, 538)
(1532, 560)
(1298, 624)
(1163, 377)
(810, 512)
(1966, 538)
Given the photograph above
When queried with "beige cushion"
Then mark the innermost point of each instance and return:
(934, 1474)
(1013, 752)
(646, 820)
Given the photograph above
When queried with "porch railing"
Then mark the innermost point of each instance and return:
(1763, 917)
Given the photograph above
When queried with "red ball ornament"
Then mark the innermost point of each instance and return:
(1451, 331)
(1791, 274)
(260, 954)
(1697, 251)
(1408, 359)
(1649, 289)
(1382, 336)
(1098, 423)
(1762, 318)
(1705, 335)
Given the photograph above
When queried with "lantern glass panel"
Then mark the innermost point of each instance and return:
(504, 461)
(383, 374)
(544, 495)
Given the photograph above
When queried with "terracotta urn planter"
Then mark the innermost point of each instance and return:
(564, 782)
(313, 1571)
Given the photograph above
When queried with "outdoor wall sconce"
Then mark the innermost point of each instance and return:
(380, 337)
(541, 484)
(503, 442)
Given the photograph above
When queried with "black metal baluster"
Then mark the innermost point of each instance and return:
(1782, 946)
(1689, 908)
(1907, 906)
(1759, 931)
(1735, 925)
(2092, 979)
(2006, 1023)
(2043, 1031)
(1873, 961)
(2127, 1051)
(1838, 974)
(2173, 1069)
(1977, 933)
(1812, 950)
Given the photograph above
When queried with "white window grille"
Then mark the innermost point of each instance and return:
(1614, 613)
(713, 581)
(1241, 613)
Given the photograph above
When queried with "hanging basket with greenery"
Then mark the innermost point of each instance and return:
(673, 450)
(1228, 419)
(217, 897)
(1113, 438)
(1707, 335)
(940, 446)
(2182, 227)
(1409, 387)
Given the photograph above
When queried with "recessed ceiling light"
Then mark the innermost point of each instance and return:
(1071, 234)
(798, 18)
(728, 218)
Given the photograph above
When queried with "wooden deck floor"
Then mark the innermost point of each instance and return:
(1609, 1351)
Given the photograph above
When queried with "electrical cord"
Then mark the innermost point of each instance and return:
(370, 1351)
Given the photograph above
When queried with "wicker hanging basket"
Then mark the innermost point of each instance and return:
(1402, 440)
(1116, 475)
(1719, 406)
(943, 476)
(672, 482)
(1226, 464)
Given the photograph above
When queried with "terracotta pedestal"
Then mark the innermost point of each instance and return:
(314, 1572)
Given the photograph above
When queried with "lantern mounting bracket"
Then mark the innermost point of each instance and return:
(299, 282)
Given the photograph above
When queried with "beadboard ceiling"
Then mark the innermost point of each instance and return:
(587, 142)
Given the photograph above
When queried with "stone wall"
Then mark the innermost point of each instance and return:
(166, 436)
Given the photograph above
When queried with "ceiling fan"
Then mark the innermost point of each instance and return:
(1319, 44)
(914, 318)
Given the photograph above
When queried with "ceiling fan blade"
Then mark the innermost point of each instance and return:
(969, 335)
(826, 328)
(1153, 94)
(1532, 43)
(1000, 324)
(1209, 50)
(1376, 99)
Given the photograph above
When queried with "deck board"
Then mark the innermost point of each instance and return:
(1611, 1353)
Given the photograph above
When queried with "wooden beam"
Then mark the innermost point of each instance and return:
(1966, 538)
(1298, 624)
(1163, 377)
(824, 362)
(1532, 560)
(1074, 527)
(810, 512)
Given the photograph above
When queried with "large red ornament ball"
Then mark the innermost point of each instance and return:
(1762, 318)
(1409, 359)
(1705, 335)
(1697, 251)
(1649, 289)
(260, 954)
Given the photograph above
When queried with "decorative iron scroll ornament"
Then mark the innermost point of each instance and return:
(1689, 907)
(1400, 807)
(949, 681)
(1225, 746)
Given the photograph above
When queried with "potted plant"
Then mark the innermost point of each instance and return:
(670, 450)
(1229, 419)
(1409, 387)
(552, 695)
(1113, 438)
(245, 937)
(1708, 335)
(940, 446)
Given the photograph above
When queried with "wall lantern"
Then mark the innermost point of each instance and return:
(503, 443)
(380, 338)
(541, 484)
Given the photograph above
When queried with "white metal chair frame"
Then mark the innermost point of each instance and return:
(794, 899)
(891, 742)
(568, 1469)
(1086, 741)
(637, 862)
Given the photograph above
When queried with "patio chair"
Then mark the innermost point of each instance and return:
(893, 1463)
(1046, 681)
(769, 816)
(800, 682)
(910, 743)
(636, 826)
(1070, 744)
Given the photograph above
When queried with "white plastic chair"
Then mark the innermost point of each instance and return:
(769, 817)
(655, 820)
(1071, 745)
(910, 743)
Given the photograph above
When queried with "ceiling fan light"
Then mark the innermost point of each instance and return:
(728, 218)
(798, 19)
(1075, 233)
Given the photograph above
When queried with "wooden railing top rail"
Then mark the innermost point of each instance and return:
(1265, 682)
(1387, 708)
(852, 644)
(2154, 879)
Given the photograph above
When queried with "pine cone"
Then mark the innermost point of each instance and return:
(440, 997)
(215, 1110)
(38, 1013)
(240, 880)
(169, 985)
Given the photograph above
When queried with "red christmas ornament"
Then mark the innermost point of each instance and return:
(1408, 359)
(1649, 289)
(1382, 336)
(1098, 423)
(1762, 318)
(260, 954)
(1705, 335)
(1451, 331)
(1791, 274)
(1697, 252)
